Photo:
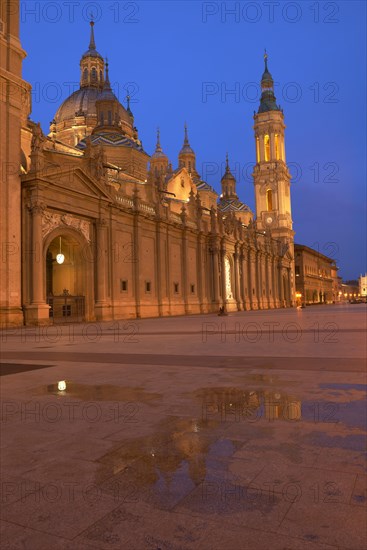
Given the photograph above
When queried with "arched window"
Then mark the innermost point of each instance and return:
(267, 147)
(94, 74)
(257, 150)
(110, 118)
(269, 200)
(100, 76)
(101, 119)
(85, 74)
(277, 148)
(189, 167)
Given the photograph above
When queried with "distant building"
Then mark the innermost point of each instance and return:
(316, 276)
(350, 291)
(363, 285)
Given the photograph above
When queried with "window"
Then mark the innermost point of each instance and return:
(110, 118)
(100, 76)
(123, 285)
(267, 147)
(101, 119)
(269, 200)
(277, 151)
(94, 74)
(297, 271)
(85, 74)
(182, 182)
(257, 150)
(148, 286)
(192, 287)
(176, 287)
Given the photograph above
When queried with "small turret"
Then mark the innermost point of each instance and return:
(187, 157)
(92, 65)
(158, 161)
(228, 183)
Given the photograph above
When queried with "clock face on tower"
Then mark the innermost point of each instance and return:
(269, 220)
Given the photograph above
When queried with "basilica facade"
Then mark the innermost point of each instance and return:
(94, 228)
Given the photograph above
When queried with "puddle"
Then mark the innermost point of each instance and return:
(352, 442)
(225, 403)
(352, 414)
(104, 392)
(162, 467)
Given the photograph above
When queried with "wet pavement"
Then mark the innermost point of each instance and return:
(187, 433)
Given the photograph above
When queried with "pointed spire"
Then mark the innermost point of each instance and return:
(186, 139)
(158, 148)
(128, 104)
(227, 163)
(92, 43)
(107, 84)
(268, 100)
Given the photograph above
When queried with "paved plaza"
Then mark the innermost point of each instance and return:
(245, 431)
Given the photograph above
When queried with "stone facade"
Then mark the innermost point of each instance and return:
(316, 276)
(109, 232)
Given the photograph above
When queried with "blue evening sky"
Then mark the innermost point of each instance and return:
(201, 62)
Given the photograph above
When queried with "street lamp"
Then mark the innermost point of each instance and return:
(60, 258)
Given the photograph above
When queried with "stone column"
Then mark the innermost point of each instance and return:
(159, 268)
(101, 294)
(102, 307)
(185, 276)
(237, 293)
(215, 271)
(252, 279)
(223, 273)
(275, 282)
(258, 279)
(200, 272)
(136, 236)
(37, 313)
(281, 286)
(242, 279)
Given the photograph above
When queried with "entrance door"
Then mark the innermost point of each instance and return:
(65, 280)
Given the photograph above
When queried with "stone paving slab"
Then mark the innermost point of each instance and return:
(176, 443)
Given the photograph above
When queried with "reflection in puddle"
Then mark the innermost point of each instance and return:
(183, 453)
(236, 404)
(104, 392)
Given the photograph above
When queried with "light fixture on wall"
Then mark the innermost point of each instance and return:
(60, 257)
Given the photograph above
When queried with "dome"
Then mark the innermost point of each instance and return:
(92, 53)
(186, 149)
(82, 101)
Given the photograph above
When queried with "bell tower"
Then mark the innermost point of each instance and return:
(271, 176)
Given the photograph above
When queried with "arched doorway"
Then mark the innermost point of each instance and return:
(67, 286)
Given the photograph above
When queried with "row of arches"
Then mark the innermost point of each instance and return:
(93, 75)
(278, 148)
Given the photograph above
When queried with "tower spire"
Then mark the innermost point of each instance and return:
(186, 139)
(92, 42)
(107, 84)
(227, 163)
(158, 148)
(268, 100)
